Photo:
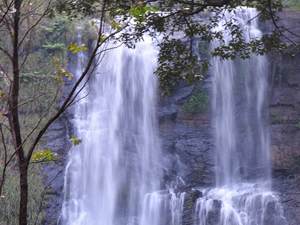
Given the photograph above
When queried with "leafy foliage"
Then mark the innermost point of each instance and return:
(274, 119)
(177, 63)
(43, 156)
(61, 71)
(190, 19)
(171, 20)
(75, 48)
(198, 102)
(75, 140)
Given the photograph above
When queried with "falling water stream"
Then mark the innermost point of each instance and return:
(114, 176)
(239, 99)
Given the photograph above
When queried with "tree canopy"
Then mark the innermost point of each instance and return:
(168, 20)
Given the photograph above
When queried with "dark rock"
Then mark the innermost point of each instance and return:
(58, 142)
(187, 141)
(287, 187)
(189, 208)
(214, 215)
(53, 172)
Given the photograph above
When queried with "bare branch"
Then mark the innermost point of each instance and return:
(6, 53)
(5, 160)
(40, 119)
(276, 26)
(6, 12)
(38, 21)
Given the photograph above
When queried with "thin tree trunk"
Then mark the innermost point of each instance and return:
(23, 196)
(14, 119)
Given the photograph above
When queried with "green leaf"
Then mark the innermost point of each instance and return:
(102, 38)
(75, 140)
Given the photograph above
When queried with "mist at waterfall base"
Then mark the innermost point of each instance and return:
(114, 177)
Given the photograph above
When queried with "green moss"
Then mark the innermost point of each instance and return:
(274, 119)
(198, 102)
(190, 202)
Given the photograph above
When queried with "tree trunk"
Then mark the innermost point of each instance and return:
(14, 119)
(23, 196)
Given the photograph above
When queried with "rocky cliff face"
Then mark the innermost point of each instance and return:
(57, 137)
(284, 107)
(53, 172)
(187, 141)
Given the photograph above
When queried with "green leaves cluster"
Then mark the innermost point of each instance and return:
(172, 19)
(54, 47)
(75, 48)
(60, 71)
(274, 119)
(198, 102)
(177, 63)
(75, 140)
(43, 156)
(140, 13)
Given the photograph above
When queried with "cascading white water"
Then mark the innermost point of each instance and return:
(113, 177)
(112, 173)
(239, 96)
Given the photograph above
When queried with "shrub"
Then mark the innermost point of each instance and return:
(198, 101)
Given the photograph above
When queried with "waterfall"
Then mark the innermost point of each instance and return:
(113, 174)
(114, 177)
(239, 100)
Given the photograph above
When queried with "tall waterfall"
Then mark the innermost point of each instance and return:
(113, 174)
(114, 177)
(239, 102)
(239, 97)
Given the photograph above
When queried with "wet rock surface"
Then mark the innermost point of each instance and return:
(53, 172)
(186, 141)
(285, 113)
(287, 186)
(189, 207)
